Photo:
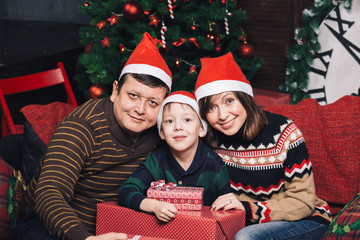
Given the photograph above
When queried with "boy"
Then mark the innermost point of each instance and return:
(184, 159)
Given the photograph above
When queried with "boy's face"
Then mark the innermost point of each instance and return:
(136, 106)
(181, 127)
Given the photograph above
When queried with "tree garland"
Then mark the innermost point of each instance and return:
(300, 56)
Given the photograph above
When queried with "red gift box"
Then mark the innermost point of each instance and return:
(183, 198)
(203, 224)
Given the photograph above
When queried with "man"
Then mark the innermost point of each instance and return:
(95, 149)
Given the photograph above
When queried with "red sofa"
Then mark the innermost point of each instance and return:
(332, 136)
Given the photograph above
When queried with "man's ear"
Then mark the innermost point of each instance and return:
(202, 132)
(115, 90)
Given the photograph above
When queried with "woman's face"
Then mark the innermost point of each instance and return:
(226, 114)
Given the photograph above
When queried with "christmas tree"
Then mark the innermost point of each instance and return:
(186, 30)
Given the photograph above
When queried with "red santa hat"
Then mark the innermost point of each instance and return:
(146, 59)
(220, 74)
(180, 97)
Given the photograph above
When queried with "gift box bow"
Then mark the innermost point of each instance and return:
(161, 185)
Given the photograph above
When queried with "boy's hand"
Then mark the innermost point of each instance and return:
(227, 201)
(164, 211)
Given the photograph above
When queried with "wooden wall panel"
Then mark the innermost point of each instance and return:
(270, 30)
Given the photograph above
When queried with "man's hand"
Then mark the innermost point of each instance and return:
(109, 236)
(227, 202)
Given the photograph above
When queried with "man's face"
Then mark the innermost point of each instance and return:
(136, 106)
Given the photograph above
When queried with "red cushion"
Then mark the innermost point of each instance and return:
(332, 136)
(44, 119)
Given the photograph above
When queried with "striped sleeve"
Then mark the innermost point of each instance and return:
(64, 159)
(70, 146)
(298, 192)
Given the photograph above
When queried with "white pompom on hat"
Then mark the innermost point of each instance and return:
(220, 74)
(146, 59)
(180, 97)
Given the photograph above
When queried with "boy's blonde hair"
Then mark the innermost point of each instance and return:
(182, 97)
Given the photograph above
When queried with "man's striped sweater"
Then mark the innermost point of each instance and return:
(86, 161)
(272, 175)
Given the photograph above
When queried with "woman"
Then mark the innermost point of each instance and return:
(270, 171)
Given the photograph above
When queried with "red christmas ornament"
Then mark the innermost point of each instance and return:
(193, 27)
(146, 12)
(88, 47)
(246, 50)
(105, 42)
(192, 69)
(218, 49)
(223, 1)
(113, 19)
(154, 20)
(86, 4)
(96, 91)
(213, 36)
(132, 10)
(122, 48)
(101, 24)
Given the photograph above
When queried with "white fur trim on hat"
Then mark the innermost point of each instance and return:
(147, 69)
(220, 86)
(179, 98)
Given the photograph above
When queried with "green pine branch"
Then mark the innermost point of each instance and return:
(103, 64)
(300, 56)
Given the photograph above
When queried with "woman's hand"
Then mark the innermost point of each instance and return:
(164, 211)
(109, 236)
(227, 201)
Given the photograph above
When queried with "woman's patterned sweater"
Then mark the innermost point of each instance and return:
(272, 174)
